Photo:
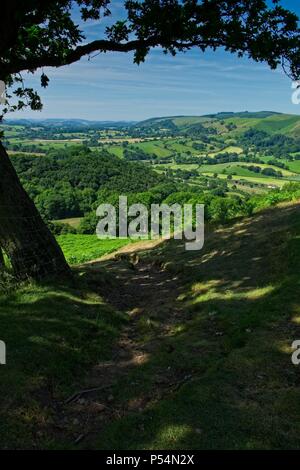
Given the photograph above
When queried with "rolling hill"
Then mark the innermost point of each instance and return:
(233, 123)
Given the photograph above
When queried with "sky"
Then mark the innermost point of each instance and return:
(110, 87)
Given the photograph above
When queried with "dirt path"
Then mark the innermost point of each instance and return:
(144, 290)
(146, 293)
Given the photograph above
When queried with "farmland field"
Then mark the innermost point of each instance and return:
(267, 181)
(237, 168)
(73, 222)
(230, 149)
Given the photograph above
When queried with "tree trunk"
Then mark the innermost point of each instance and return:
(25, 238)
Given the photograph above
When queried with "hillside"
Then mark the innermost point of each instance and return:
(66, 183)
(197, 357)
(65, 124)
(268, 121)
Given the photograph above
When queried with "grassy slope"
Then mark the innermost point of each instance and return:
(274, 123)
(215, 328)
(239, 169)
(230, 149)
(73, 221)
(266, 180)
(240, 304)
(235, 169)
(53, 335)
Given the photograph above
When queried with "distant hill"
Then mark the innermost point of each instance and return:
(67, 123)
(244, 114)
(220, 123)
(227, 122)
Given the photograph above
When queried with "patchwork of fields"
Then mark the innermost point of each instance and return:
(179, 145)
(221, 152)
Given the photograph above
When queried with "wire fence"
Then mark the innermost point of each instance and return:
(27, 247)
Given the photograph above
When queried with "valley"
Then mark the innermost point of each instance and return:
(219, 146)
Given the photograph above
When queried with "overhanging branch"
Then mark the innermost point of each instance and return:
(101, 45)
(49, 60)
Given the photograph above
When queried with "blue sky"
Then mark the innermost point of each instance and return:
(111, 87)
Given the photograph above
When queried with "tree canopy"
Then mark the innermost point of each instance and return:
(36, 34)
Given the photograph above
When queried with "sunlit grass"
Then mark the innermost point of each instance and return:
(80, 248)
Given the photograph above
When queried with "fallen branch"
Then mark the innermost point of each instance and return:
(77, 395)
(175, 386)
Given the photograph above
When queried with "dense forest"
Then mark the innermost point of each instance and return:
(66, 184)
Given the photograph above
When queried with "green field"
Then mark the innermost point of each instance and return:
(293, 166)
(177, 166)
(276, 182)
(237, 169)
(80, 248)
(161, 148)
(230, 149)
(222, 170)
(116, 150)
(73, 222)
(157, 148)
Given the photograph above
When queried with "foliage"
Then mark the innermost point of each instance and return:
(35, 34)
(67, 184)
(277, 145)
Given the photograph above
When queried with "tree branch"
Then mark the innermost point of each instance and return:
(48, 60)
(101, 45)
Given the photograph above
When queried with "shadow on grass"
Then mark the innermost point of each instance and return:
(220, 375)
(199, 358)
(53, 335)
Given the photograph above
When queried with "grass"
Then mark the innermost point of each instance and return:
(214, 329)
(161, 148)
(238, 171)
(156, 148)
(285, 124)
(80, 248)
(240, 299)
(12, 152)
(116, 150)
(268, 181)
(230, 149)
(177, 166)
(293, 166)
(285, 173)
(73, 222)
(53, 335)
(238, 168)
(226, 168)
